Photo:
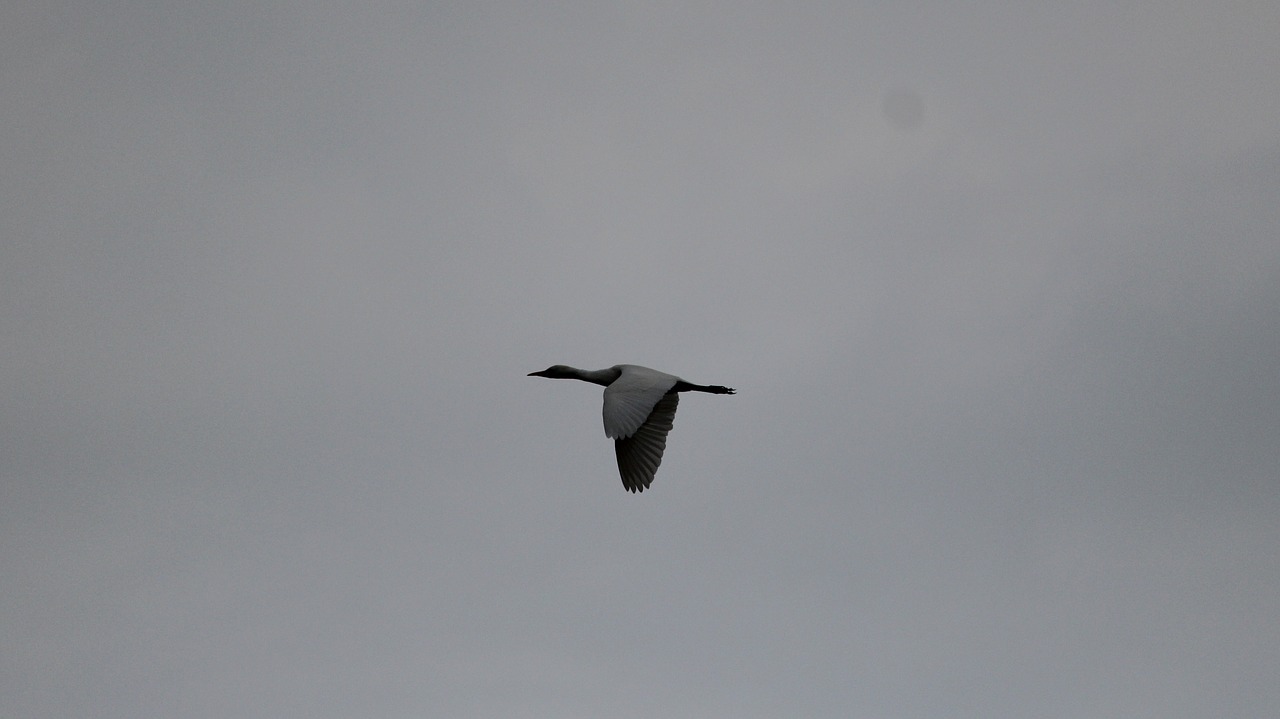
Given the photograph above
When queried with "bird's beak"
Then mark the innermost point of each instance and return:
(536, 374)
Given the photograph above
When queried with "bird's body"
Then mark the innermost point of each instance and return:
(639, 410)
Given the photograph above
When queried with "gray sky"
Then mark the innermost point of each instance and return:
(998, 288)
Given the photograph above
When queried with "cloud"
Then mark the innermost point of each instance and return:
(996, 288)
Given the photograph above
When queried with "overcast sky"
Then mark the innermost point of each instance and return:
(998, 288)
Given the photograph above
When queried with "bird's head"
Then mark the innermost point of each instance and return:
(555, 371)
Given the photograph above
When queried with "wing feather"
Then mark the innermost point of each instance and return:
(640, 454)
(630, 399)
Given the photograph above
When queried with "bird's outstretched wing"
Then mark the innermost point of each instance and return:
(629, 399)
(640, 454)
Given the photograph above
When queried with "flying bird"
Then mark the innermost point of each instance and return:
(639, 409)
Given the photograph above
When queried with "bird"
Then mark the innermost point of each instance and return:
(639, 409)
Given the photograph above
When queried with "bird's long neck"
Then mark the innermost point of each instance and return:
(603, 377)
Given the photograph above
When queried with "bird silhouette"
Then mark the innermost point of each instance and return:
(639, 410)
